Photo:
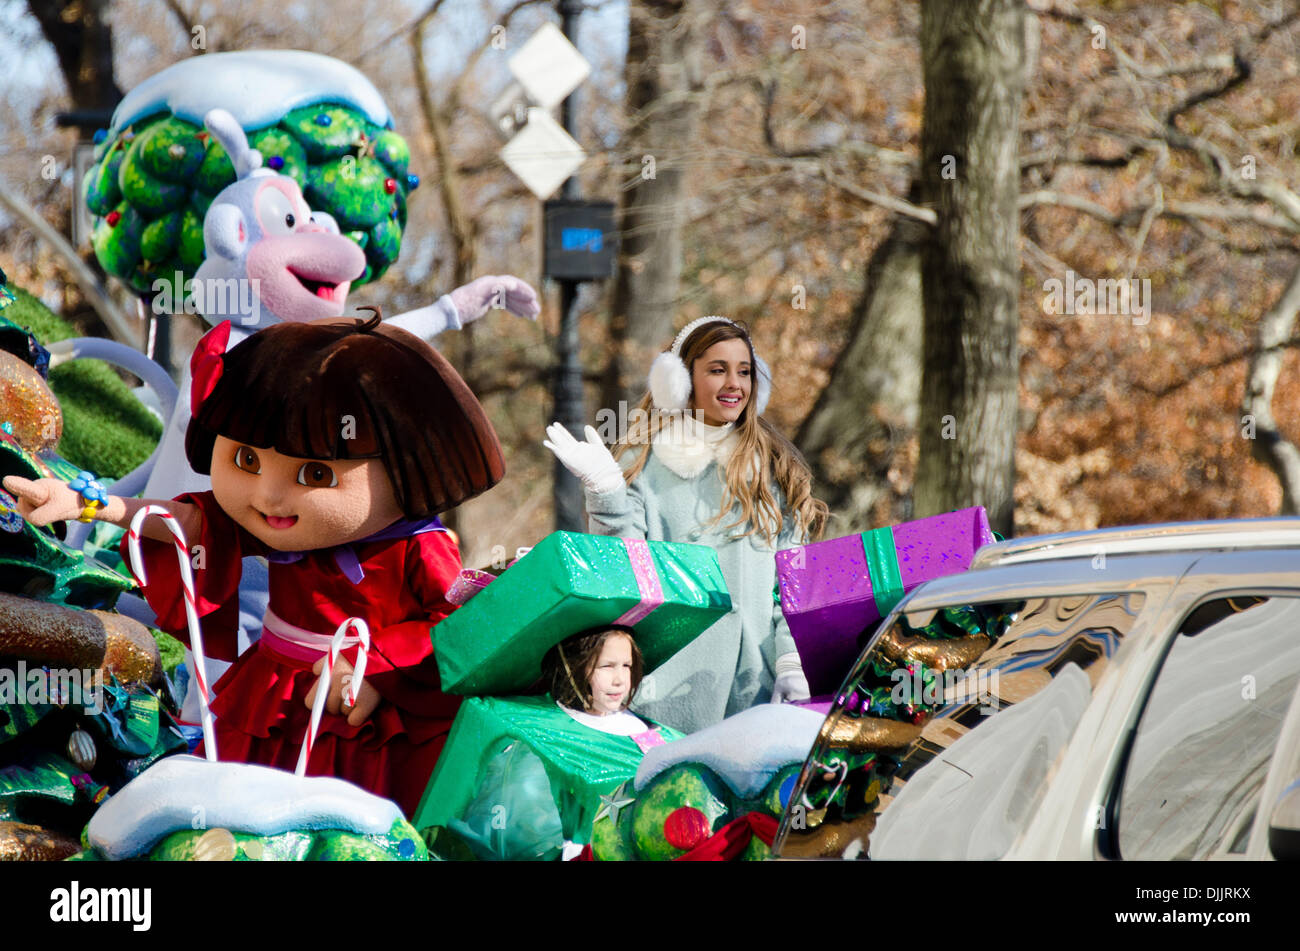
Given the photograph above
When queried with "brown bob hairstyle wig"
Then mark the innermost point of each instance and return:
(568, 666)
(354, 389)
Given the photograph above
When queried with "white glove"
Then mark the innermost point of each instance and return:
(590, 461)
(790, 683)
(480, 295)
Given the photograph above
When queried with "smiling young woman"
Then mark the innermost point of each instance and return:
(704, 467)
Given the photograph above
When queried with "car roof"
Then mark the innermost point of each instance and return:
(1125, 558)
(1219, 535)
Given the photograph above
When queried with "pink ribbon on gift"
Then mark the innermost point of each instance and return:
(468, 583)
(649, 739)
(647, 582)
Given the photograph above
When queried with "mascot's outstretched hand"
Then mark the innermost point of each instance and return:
(468, 303)
(501, 291)
(590, 461)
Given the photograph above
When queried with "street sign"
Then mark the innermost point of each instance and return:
(509, 111)
(581, 241)
(543, 155)
(549, 67)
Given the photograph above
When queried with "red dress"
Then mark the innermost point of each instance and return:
(260, 709)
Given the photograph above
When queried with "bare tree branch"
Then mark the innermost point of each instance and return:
(898, 205)
(95, 292)
(188, 23)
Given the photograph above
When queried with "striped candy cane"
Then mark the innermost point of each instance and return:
(191, 613)
(350, 692)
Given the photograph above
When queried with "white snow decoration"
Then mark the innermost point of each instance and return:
(746, 750)
(257, 86)
(256, 800)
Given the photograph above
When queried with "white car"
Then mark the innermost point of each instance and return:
(1124, 693)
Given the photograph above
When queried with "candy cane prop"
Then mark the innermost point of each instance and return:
(191, 613)
(350, 692)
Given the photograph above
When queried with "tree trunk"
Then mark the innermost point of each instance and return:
(664, 79)
(867, 412)
(973, 54)
(82, 39)
(1267, 443)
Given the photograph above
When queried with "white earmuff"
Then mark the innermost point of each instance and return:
(670, 381)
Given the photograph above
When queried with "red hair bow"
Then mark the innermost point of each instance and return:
(205, 364)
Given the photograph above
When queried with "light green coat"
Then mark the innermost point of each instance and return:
(729, 667)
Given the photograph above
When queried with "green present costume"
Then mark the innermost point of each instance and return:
(521, 776)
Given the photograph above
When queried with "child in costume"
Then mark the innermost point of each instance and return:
(332, 445)
(704, 467)
(553, 762)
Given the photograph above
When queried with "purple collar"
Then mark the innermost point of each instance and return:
(345, 556)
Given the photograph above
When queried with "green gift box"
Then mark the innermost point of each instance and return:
(580, 768)
(666, 592)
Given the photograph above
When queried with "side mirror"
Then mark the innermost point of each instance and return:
(1284, 825)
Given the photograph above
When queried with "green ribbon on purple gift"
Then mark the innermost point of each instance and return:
(882, 568)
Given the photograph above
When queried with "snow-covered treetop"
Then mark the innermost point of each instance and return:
(257, 86)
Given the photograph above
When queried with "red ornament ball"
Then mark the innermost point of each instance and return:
(390, 185)
(686, 827)
(113, 217)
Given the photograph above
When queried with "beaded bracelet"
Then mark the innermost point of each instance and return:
(93, 494)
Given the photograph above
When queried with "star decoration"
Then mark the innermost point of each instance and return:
(115, 701)
(612, 804)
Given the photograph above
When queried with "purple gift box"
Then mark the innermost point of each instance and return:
(832, 591)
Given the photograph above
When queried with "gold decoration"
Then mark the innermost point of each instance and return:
(20, 842)
(131, 653)
(870, 734)
(935, 653)
(27, 403)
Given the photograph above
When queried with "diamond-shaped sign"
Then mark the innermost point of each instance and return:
(543, 155)
(549, 67)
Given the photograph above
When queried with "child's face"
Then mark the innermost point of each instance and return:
(611, 679)
(295, 504)
(721, 378)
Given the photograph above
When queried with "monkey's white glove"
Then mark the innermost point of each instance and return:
(590, 461)
(790, 683)
(480, 295)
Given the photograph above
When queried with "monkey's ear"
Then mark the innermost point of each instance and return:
(227, 130)
(224, 231)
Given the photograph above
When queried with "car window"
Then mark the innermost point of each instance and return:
(1197, 765)
(943, 738)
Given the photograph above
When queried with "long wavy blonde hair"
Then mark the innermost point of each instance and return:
(778, 459)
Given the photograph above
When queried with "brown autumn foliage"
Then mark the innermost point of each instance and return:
(1121, 422)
